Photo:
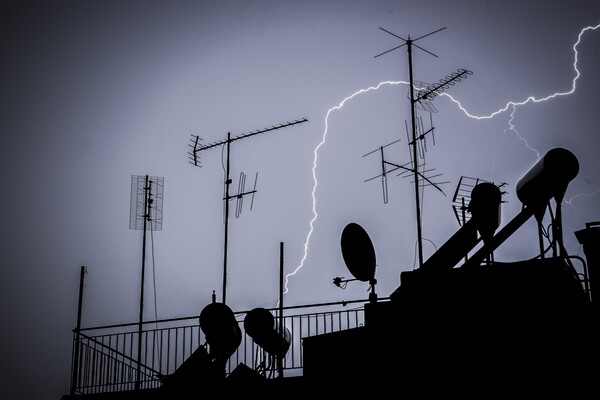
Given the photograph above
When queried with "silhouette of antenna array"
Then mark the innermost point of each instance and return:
(194, 159)
(420, 97)
(462, 197)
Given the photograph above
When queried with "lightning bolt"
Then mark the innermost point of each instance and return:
(530, 99)
(511, 105)
(314, 169)
(569, 201)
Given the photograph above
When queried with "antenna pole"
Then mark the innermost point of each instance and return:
(227, 183)
(414, 148)
(147, 202)
(433, 90)
(279, 358)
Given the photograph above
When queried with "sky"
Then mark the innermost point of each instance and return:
(95, 92)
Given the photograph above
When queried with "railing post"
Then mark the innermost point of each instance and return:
(281, 328)
(75, 367)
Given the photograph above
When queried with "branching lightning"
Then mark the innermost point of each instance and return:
(569, 201)
(314, 169)
(511, 105)
(530, 99)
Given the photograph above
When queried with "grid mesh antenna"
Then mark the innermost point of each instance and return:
(155, 193)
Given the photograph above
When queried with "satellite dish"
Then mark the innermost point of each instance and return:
(358, 252)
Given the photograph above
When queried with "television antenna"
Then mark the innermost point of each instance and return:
(406, 170)
(194, 159)
(423, 95)
(145, 212)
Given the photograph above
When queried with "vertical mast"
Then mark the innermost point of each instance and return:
(227, 183)
(147, 202)
(415, 164)
(414, 151)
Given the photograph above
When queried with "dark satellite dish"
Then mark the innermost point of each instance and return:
(358, 252)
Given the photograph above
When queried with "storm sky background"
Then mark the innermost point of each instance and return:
(95, 92)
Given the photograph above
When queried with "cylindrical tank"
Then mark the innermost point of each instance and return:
(260, 325)
(221, 329)
(485, 208)
(548, 178)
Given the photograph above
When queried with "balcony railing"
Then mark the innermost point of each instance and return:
(105, 359)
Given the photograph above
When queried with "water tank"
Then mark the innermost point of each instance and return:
(260, 325)
(548, 178)
(221, 329)
(485, 208)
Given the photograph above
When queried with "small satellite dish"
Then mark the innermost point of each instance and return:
(358, 252)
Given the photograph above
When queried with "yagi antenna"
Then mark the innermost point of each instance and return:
(194, 159)
(197, 148)
(416, 100)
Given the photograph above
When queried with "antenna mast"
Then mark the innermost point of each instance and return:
(195, 160)
(143, 213)
(423, 94)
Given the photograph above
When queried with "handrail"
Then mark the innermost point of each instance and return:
(158, 321)
(108, 357)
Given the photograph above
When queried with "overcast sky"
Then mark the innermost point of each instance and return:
(95, 92)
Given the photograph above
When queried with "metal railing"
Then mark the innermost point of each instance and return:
(107, 356)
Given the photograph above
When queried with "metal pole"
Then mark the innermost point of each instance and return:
(279, 360)
(75, 372)
(141, 320)
(414, 144)
(557, 235)
(227, 183)
(541, 239)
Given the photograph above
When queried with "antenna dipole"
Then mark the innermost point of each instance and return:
(195, 160)
(428, 93)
